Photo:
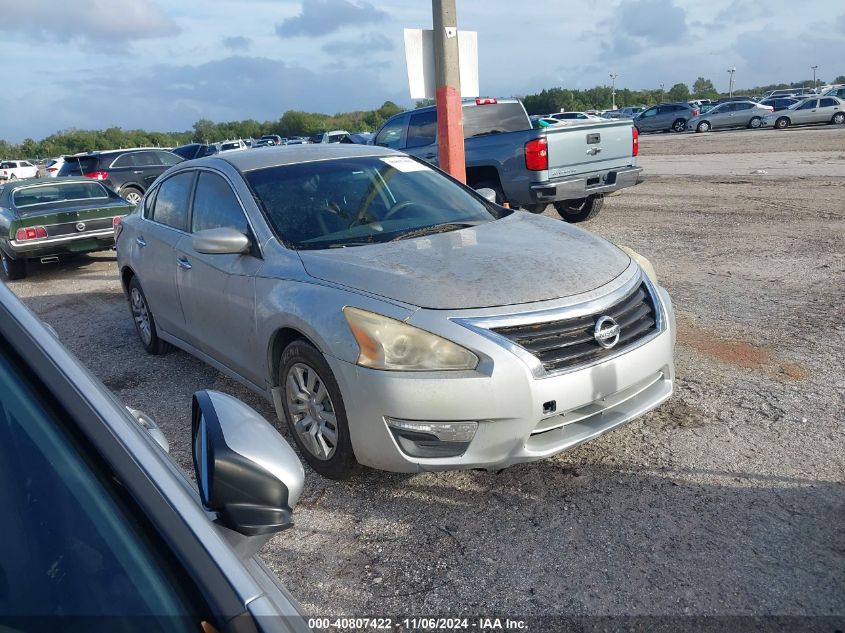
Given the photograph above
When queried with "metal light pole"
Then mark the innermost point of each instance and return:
(613, 90)
(731, 86)
(814, 76)
(447, 76)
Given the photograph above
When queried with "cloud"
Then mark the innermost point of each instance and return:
(372, 43)
(657, 22)
(321, 17)
(237, 43)
(99, 20)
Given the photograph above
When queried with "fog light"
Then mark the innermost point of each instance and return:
(432, 439)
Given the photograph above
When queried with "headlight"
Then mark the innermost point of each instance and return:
(643, 263)
(386, 343)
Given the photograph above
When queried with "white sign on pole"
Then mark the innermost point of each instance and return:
(419, 57)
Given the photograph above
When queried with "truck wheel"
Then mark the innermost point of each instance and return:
(580, 210)
(495, 186)
(13, 268)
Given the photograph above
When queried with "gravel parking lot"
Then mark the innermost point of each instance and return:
(728, 500)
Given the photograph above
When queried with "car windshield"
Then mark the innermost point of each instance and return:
(363, 200)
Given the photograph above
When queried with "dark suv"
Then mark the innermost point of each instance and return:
(665, 117)
(130, 172)
(195, 150)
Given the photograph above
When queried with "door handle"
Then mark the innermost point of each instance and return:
(137, 172)
(183, 263)
(593, 151)
(140, 241)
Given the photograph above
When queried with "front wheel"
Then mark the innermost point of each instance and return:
(13, 177)
(782, 123)
(314, 411)
(679, 126)
(580, 210)
(755, 122)
(838, 118)
(535, 208)
(13, 268)
(704, 126)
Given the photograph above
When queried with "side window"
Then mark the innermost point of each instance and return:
(149, 201)
(215, 205)
(391, 134)
(828, 103)
(171, 201)
(808, 105)
(422, 129)
(73, 542)
(650, 112)
(168, 158)
(744, 106)
(125, 160)
(147, 159)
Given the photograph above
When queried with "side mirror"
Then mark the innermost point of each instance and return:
(220, 241)
(488, 194)
(149, 425)
(245, 470)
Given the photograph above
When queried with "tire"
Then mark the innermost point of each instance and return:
(13, 177)
(838, 118)
(323, 442)
(13, 268)
(782, 123)
(495, 186)
(143, 316)
(704, 126)
(132, 195)
(580, 210)
(679, 126)
(755, 123)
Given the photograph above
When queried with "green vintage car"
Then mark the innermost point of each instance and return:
(46, 219)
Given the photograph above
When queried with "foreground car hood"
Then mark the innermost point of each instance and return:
(518, 259)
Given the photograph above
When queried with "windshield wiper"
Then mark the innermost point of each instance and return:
(434, 228)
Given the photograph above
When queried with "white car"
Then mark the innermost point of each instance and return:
(335, 136)
(52, 167)
(14, 169)
(579, 116)
(231, 146)
(812, 110)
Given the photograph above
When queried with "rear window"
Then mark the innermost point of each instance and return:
(78, 165)
(494, 119)
(59, 192)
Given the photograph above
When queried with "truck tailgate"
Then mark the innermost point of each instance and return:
(585, 147)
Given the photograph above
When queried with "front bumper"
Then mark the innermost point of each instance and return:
(77, 243)
(600, 182)
(507, 401)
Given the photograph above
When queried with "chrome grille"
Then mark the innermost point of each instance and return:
(568, 342)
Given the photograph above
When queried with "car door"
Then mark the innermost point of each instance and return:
(421, 136)
(827, 108)
(646, 120)
(665, 117)
(164, 223)
(807, 112)
(217, 291)
(743, 111)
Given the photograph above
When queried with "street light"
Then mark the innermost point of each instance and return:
(814, 76)
(613, 90)
(731, 86)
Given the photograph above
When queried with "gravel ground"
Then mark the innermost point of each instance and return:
(728, 500)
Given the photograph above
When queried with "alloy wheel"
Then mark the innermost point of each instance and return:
(839, 118)
(311, 408)
(755, 122)
(141, 314)
(133, 197)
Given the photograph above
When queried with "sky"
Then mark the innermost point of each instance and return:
(164, 64)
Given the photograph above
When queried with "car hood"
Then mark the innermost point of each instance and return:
(518, 259)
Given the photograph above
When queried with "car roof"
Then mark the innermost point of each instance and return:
(275, 156)
(28, 182)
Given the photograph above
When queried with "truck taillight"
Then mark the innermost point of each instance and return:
(97, 175)
(635, 141)
(30, 233)
(117, 226)
(486, 101)
(537, 154)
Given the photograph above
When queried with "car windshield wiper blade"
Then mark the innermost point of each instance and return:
(434, 228)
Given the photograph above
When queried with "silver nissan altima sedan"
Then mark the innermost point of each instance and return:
(395, 317)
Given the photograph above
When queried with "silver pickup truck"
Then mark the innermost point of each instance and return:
(571, 166)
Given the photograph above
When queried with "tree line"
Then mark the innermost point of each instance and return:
(299, 123)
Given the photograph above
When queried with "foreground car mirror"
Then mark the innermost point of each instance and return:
(221, 241)
(245, 470)
(488, 194)
(149, 425)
